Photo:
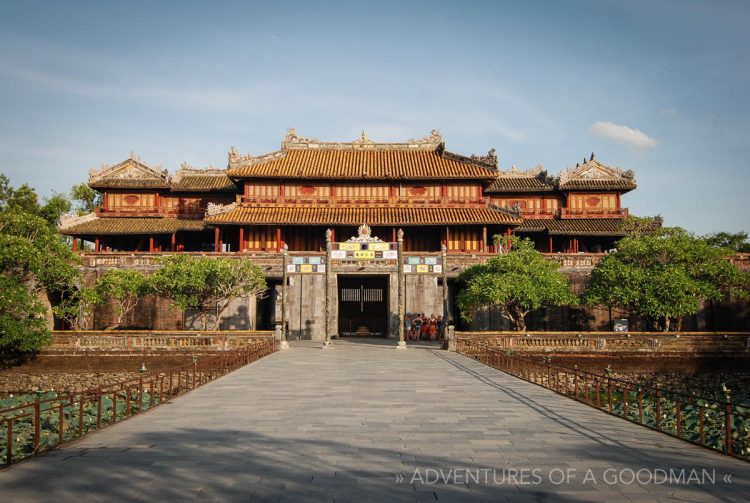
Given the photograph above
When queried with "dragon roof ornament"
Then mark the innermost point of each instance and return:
(72, 218)
(364, 235)
(217, 209)
(130, 168)
(595, 170)
(490, 159)
(294, 142)
(186, 170)
(537, 171)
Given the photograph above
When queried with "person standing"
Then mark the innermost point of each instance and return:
(423, 333)
(432, 328)
(407, 327)
(417, 322)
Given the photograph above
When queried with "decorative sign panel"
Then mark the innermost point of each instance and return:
(306, 265)
(364, 247)
(364, 251)
(422, 265)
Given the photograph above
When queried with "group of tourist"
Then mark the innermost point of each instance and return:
(420, 327)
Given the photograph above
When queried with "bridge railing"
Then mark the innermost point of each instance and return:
(717, 424)
(613, 342)
(142, 340)
(28, 428)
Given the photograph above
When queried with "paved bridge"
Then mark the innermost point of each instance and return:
(365, 422)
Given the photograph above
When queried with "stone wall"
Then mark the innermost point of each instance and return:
(306, 310)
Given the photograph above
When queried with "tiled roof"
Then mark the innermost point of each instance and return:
(365, 165)
(129, 183)
(127, 225)
(622, 184)
(574, 227)
(357, 216)
(203, 183)
(520, 184)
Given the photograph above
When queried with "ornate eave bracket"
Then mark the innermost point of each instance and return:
(72, 219)
(214, 209)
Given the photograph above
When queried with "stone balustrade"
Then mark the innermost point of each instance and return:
(736, 343)
(142, 340)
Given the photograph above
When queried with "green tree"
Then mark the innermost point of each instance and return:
(34, 261)
(77, 305)
(664, 276)
(125, 288)
(737, 242)
(86, 198)
(25, 200)
(54, 207)
(22, 322)
(207, 284)
(516, 282)
(642, 226)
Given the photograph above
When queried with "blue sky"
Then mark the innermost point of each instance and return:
(659, 87)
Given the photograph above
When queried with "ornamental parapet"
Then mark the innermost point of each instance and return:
(736, 343)
(271, 261)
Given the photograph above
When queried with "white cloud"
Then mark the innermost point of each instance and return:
(623, 134)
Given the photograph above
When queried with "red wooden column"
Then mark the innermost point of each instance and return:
(483, 244)
(75, 244)
(106, 201)
(278, 238)
(216, 240)
(447, 239)
(174, 242)
(550, 244)
(242, 238)
(96, 244)
(151, 244)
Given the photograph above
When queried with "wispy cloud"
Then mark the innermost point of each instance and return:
(623, 134)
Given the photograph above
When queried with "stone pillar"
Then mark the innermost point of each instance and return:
(451, 335)
(277, 333)
(401, 281)
(445, 286)
(327, 344)
(284, 294)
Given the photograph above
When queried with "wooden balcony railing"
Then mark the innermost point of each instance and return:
(593, 212)
(125, 211)
(540, 212)
(364, 201)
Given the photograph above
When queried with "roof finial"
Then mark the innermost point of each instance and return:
(132, 154)
(363, 137)
(592, 156)
(584, 159)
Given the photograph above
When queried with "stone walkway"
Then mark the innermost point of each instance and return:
(367, 422)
